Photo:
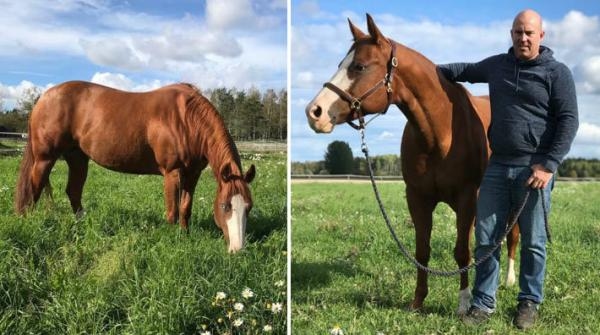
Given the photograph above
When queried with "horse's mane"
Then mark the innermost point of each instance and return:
(215, 141)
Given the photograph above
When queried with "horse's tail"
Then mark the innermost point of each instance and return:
(24, 190)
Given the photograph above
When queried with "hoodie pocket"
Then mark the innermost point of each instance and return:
(515, 138)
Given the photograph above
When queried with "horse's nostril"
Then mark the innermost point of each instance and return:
(316, 112)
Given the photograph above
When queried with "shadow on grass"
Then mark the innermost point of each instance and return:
(257, 228)
(307, 276)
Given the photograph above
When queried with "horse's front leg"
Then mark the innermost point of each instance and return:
(172, 192)
(421, 208)
(188, 186)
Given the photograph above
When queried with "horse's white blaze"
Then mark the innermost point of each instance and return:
(236, 225)
(326, 97)
(510, 274)
(464, 301)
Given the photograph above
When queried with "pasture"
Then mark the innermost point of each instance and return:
(123, 269)
(347, 272)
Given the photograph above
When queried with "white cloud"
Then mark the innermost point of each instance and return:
(574, 30)
(249, 45)
(9, 94)
(308, 8)
(243, 14)
(588, 134)
(304, 78)
(228, 14)
(386, 135)
(589, 70)
(114, 80)
(122, 82)
(115, 52)
(136, 52)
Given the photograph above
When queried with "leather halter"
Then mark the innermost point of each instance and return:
(356, 103)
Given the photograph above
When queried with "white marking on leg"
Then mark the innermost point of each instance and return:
(510, 273)
(464, 301)
(236, 225)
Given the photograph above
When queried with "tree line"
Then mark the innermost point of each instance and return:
(249, 114)
(252, 115)
(338, 159)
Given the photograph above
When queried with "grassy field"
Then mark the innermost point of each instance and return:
(123, 270)
(348, 273)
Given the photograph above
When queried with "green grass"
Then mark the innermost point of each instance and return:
(347, 271)
(123, 270)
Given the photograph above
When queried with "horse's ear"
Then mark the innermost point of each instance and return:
(373, 30)
(249, 176)
(356, 33)
(226, 173)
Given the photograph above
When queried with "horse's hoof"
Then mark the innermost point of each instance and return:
(80, 215)
(464, 301)
(415, 307)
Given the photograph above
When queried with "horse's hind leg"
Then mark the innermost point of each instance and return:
(40, 176)
(78, 169)
(465, 218)
(512, 240)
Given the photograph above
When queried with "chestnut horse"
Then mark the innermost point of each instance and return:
(173, 131)
(444, 145)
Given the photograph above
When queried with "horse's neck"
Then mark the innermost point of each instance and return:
(217, 146)
(420, 96)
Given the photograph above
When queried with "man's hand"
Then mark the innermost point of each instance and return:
(540, 177)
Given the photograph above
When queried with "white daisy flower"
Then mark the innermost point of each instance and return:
(247, 293)
(276, 307)
(220, 296)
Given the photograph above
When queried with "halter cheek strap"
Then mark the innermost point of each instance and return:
(356, 103)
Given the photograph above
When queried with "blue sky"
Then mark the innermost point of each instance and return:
(139, 45)
(444, 31)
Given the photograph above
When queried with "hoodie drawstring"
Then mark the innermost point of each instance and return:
(518, 70)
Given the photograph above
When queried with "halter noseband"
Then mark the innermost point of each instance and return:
(356, 103)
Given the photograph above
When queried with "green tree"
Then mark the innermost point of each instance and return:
(281, 123)
(338, 158)
(255, 116)
(28, 99)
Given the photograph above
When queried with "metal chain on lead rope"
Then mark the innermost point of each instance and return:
(514, 218)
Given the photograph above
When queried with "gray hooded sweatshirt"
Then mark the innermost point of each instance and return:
(534, 106)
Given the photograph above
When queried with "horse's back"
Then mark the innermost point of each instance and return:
(481, 104)
(113, 127)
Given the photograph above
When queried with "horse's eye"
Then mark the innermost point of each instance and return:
(226, 207)
(358, 67)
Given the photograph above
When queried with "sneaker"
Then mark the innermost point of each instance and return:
(475, 316)
(527, 313)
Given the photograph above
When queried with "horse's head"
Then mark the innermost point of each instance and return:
(361, 85)
(232, 205)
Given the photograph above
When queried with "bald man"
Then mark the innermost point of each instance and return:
(534, 122)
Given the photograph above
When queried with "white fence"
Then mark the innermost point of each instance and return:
(353, 177)
(11, 138)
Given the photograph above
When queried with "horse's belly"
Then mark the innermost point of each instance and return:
(124, 159)
(140, 166)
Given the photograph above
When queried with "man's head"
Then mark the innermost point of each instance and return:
(527, 34)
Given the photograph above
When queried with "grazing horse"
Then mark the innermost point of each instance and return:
(173, 131)
(444, 145)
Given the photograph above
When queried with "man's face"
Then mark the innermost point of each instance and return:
(527, 35)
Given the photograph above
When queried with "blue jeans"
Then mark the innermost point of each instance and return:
(502, 189)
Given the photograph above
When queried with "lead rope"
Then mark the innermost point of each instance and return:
(514, 218)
